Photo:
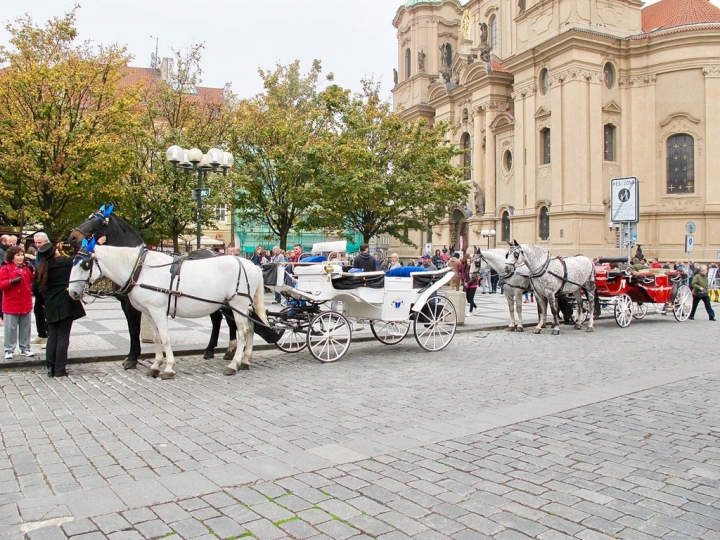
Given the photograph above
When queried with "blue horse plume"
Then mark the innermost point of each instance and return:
(106, 212)
(89, 247)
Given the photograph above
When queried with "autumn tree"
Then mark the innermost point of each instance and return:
(281, 139)
(387, 175)
(176, 111)
(64, 124)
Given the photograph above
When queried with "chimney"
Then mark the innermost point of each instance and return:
(166, 66)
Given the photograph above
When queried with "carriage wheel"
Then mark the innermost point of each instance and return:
(391, 332)
(294, 339)
(623, 310)
(682, 305)
(329, 336)
(640, 311)
(435, 324)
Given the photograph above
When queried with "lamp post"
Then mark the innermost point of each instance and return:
(488, 234)
(195, 160)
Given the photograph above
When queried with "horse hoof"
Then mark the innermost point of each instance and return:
(511, 329)
(229, 355)
(129, 364)
(229, 371)
(578, 327)
(536, 331)
(153, 373)
(167, 375)
(519, 329)
(244, 367)
(556, 332)
(207, 355)
(590, 329)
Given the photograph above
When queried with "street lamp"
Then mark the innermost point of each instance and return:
(195, 160)
(488, 234)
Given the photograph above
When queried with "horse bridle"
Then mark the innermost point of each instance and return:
(534, 274)
(506, 275)
(97, 215)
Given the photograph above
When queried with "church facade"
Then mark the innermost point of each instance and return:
(553, 99)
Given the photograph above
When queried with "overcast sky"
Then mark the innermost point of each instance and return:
(353, 38)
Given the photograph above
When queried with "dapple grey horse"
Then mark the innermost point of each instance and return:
(551, 276)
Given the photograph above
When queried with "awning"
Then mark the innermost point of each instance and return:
(204, 241)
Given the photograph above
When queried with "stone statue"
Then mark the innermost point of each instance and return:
(521, 5)
(485, 55)
(479, 200)
(446, 75)
(444, 50)
(421, 61)
(395, 75)
(483, 34)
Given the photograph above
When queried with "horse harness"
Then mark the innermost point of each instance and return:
(545, 268)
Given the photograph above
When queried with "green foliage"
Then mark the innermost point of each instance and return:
(281, 139)
(65, 125)
(386, 175)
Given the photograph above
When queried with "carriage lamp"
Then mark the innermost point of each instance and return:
(194, 160)
(488, 234)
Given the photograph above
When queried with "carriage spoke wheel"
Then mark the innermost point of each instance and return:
(294, 339)
(435, 324)
(329, 336)
(640, 311)
(682, 305)
(623, 310)
(390, 332)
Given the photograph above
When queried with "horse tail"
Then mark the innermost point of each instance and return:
(259, 300)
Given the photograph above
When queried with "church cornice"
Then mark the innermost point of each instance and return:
(637, 81)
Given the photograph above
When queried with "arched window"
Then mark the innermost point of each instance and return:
(609, 142)
(493, 33)
(609, 75)
(408, 64)
(544, 223)
(505, 229)
(545, 146)
(681, 164)
(544, 81)
(466, 144)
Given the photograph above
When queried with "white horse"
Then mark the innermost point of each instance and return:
(201, 287)
(516, 283)
(551, 276)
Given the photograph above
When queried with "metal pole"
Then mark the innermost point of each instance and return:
(199, 205)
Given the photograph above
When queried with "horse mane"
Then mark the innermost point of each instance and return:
(124, 235)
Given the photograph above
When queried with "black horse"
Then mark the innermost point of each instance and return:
(119, 233)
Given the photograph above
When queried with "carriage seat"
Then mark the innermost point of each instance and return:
(345, 281)
(424, 280)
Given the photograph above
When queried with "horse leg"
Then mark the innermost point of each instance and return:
(133, 318)
(232, 329)
(154, 370)
(552, 301)
(242, 333)
(518, 308)
(160, 320)
(511, 309)
(248, 345)
(591, 294)
(216, 319)
(542, 312)
(579, 317)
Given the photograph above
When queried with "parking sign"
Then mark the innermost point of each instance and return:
(624, 201)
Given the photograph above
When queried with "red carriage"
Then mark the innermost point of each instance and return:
(630, 292)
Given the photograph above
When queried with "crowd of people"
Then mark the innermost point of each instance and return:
(36, 282)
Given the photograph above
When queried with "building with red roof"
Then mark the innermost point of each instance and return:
(555, 98)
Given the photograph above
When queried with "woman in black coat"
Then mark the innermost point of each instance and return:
(53, 277)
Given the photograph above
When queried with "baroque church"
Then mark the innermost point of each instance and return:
(553, 99)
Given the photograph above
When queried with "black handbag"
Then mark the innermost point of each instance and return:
(701, 293)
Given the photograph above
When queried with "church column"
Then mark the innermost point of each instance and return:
(712, 138)
(489, 184)
(478, 158)
(518, 152)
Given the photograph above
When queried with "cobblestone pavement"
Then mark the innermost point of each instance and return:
(614, 434)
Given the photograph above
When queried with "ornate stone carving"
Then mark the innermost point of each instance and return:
(479, 199)
(574, 74)
(681, 203)
(421, 61)
(711, 71)
(527, 88)
(637, 81)
(506, 175)
(680, 123)
(544, 170)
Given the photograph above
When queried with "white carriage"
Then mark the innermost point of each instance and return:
(327, 301)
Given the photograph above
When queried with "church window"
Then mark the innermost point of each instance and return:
(507, 160)
(466, 144)
(408, 65)
(544, 223)
(505, 229)
(544, 81)
(609, 75)
(681, 164)
(545, 146)
(609, 142)
(493, 33)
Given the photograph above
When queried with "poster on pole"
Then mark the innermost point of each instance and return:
(624, 200)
